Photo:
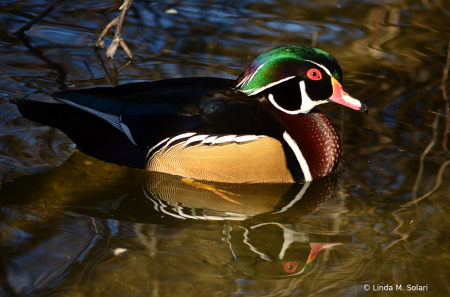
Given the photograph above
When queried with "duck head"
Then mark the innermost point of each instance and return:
(295, 79)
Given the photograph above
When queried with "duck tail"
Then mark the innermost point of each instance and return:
(90, 133)
(40, 112)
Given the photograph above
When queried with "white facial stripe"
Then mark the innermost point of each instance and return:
(270, 85)
(249, 78)
(244, 81)
(272, 100)
(298, 154)
(254, 73)
(321, 66)
(209, 139)
(308, 103)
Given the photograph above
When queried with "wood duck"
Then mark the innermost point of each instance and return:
(261, 128)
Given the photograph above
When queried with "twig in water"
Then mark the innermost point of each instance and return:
(99, 42)
(112, 76)
(416, 199)
(119, 21)
(444, 94)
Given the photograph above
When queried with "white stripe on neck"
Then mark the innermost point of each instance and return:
(298, 154)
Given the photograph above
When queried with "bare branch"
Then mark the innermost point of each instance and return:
(118, 35)
(444, 94)
(99, 42)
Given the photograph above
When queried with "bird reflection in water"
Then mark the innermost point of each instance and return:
(260, 219)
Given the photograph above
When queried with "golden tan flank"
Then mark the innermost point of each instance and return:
(257, 161)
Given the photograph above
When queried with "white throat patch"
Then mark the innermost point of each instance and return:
(307, 103)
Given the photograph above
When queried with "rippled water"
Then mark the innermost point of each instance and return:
(77, 226)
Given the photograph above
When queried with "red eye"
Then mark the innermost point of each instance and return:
(314, 74)
(290, 267)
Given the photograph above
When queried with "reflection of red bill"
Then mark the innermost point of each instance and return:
(316, 247)
(341, 97)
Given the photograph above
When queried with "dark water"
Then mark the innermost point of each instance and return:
(71, 225)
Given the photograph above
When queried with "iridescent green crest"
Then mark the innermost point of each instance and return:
(284, 63)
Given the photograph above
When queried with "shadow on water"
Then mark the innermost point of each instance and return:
(73, 225)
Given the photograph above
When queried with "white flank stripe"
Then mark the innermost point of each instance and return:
(226, 138)
(127, 133)
(195, 138)
(178, 137)
(158, 144)
(245, 138)
(209, 139)
(298, 154)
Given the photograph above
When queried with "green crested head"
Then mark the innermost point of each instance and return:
(284, 63)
